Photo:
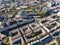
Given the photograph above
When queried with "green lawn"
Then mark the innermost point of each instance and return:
(35, 9)
(58, 40)
(6, 41)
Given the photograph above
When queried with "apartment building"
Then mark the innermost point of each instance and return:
(57, 0)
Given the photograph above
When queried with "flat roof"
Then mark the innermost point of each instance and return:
(19, 24)
(46, 40)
